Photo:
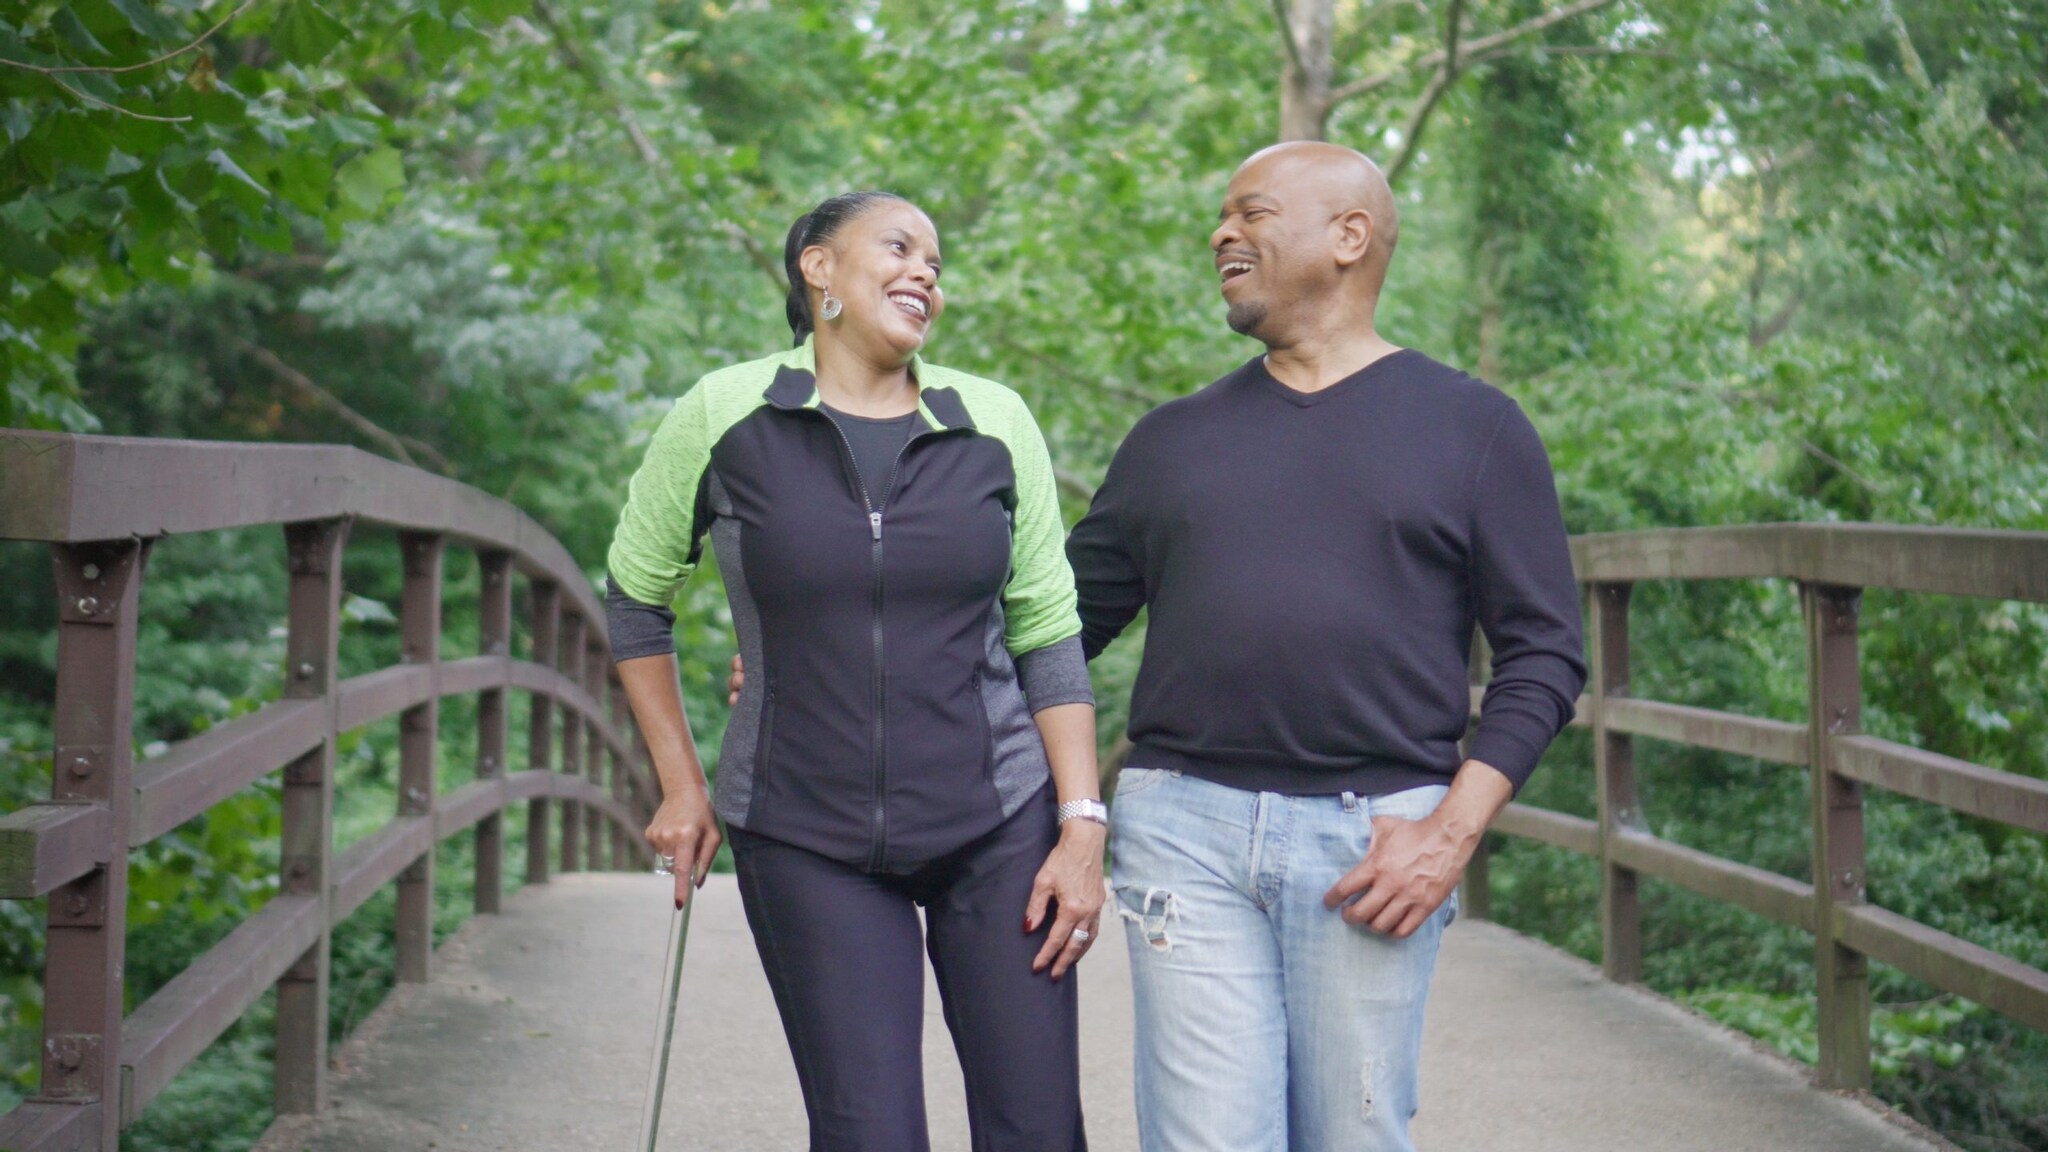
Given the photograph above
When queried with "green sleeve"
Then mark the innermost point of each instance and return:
(658, 539)
(1039, 605)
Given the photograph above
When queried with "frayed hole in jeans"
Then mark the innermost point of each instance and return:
(1151, 912)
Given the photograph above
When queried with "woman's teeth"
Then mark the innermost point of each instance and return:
(910, 303)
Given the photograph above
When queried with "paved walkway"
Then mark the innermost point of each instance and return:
(536, 1031)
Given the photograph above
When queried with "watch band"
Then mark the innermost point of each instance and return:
(1094, 810)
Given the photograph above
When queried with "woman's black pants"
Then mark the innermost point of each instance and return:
(840, 947)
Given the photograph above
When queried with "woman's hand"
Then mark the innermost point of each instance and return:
(1071, 881)
(685, 831)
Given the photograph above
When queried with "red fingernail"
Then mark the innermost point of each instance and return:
(679, 905)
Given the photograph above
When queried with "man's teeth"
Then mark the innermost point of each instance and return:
(1234, 266)
(912, 303)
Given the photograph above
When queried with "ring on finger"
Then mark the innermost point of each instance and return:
(1083, 935)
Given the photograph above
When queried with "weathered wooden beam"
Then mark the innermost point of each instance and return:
(493, 720)
(545, 603)
(92, 737)
(1999, 565)
(376, 860)
(176, 1024)
(306, 839)
(2006, 797)
(65, 487)
(2000, 983)
(45, 846)
(423, 556)
(53, 1126)
(1763, 892)
(1572, 833)
(196, 774)
(1773, 740)
(1614, 773)
(386, 692)
(1835, 709)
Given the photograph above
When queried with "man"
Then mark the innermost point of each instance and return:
(1314, 536)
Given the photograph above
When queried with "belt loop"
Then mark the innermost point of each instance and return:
(1350, 803)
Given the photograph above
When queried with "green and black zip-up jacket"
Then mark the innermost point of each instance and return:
(898, 632)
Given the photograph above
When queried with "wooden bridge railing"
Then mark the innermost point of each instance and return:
(1832, 564)
(101, 502)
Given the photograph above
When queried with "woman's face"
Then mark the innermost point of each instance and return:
(884, 268)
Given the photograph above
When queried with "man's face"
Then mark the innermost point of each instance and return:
(1272, 248)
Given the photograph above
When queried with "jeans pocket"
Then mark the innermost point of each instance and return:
(1131, 781)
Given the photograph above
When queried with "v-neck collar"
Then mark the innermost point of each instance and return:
(1300, 399)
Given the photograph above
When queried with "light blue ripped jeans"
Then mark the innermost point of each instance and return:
(1265, 1023)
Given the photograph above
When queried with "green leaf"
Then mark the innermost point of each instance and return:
(365, 181)
(148, 21)
(73, 31)
(305, 32)
(438, 39)
(242, 188)
(26, 254)
(496, 10)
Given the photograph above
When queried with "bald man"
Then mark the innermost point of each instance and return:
(1314, 537)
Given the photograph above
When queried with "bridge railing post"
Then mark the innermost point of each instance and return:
(546, 633)
(571, 666)
(98, 589)
(305, 858)
(595, 841)
(1475, 896)
(419, 729)
(621, 767)
(1835, 708)
(494, 638)
(1614, 769)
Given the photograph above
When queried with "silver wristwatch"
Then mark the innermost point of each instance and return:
(1094, 810)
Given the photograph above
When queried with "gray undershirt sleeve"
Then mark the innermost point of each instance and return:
(636, 629)
(1055, 674)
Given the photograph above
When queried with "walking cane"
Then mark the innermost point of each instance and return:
(665, 1015)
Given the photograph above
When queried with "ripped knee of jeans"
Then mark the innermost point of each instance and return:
(1151, 910)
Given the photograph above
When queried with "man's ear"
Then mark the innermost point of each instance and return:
(1353, 234)
(815, 263)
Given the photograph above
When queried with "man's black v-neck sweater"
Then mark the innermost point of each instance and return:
(1313, 565)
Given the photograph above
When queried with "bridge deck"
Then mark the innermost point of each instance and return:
(536, 1030)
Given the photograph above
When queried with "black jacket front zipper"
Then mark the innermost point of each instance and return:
(878, 827)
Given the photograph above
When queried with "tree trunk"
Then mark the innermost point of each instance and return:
(1305, 79)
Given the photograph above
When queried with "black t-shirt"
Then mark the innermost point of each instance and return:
(876, 443)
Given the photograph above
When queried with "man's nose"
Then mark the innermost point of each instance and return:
(1223, 235)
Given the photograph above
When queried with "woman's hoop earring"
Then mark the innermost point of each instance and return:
(832, 305)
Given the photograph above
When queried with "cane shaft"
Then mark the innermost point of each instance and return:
(665, 1025)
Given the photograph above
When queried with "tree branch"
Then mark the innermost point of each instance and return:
(1447, 75)
(94, 100)
(1073, 485)
(643, 146)
(171, 55)
(1476, 48)
(299, 382)
(1765, 331)
(1287, 35)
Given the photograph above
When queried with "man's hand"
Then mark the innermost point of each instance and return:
(735, 682)
(1413, 865)
(1406, 875)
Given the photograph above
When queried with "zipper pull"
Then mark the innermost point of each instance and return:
(875, 524)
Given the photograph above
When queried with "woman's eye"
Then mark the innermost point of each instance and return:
(895, 245)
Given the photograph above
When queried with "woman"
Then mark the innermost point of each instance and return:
(915, 728)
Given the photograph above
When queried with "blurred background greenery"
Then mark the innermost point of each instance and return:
(1740, 261)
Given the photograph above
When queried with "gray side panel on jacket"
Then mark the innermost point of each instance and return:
(732, 794)
(1021, 768)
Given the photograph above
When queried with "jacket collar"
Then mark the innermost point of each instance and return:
(796, 386)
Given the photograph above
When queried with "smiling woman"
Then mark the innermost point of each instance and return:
(916, 726)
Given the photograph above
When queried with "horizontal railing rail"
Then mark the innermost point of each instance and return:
(1832, 564)
(101, 502)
